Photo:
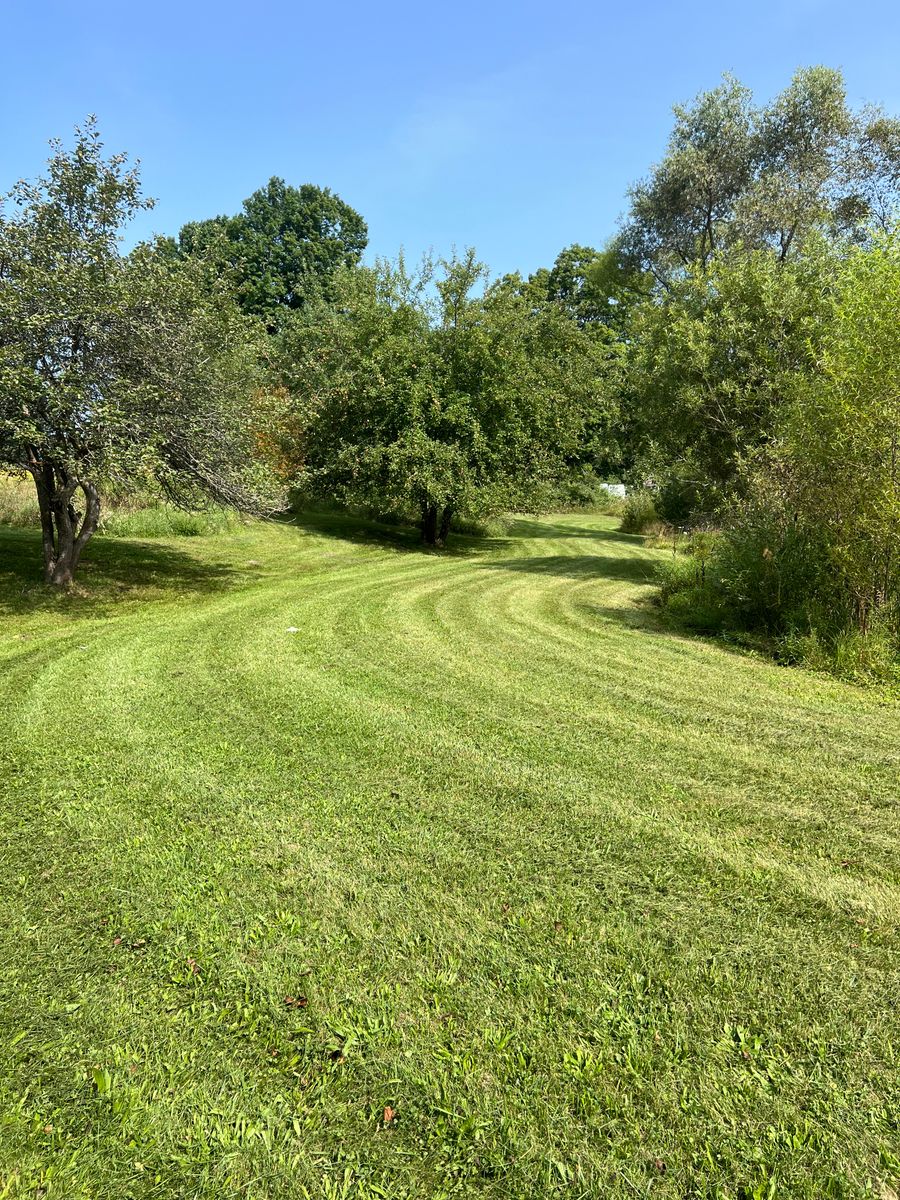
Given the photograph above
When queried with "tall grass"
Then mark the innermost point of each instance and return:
(140, 516)
(775, 577)
(18, 502)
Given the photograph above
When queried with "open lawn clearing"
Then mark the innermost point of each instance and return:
(479, 883)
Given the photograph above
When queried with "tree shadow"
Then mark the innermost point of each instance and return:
(363, 531)
(522, 527)
(576, 566)
(112, 570)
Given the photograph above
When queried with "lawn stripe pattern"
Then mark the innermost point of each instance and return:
(480, 882)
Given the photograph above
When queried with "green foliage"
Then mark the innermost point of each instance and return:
(763, 177)
(710, 363)
(838, 462)
(285, 245)
(639, 513)
(113, 368)
(597, 288)
(811, 553)
(416, 392)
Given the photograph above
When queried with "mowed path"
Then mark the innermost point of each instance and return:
(479, 883)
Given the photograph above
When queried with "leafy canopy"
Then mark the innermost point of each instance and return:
(764, 176)
(286, 243)
(113, 369)
(420, 393)
(709, 364)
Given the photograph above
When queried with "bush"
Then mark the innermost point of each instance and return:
(639, 513)
(768, 573)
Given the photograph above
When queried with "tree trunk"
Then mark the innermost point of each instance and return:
(64, 532)
(435, 524)
(444, 526)
(429, 524)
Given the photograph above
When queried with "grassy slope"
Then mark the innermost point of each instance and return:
(595, 910)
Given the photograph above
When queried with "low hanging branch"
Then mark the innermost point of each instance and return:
(154, 375)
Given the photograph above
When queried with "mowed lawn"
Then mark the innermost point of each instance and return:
(480, 883)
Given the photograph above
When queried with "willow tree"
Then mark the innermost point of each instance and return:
(113, 368)
(764, 176)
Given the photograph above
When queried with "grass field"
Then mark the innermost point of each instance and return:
(478, 884)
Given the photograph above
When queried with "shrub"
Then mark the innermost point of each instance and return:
(639, 512)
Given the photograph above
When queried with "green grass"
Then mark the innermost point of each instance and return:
(141, 516)
(593, 910)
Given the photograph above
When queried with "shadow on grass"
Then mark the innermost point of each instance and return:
(522, 527)
(571, 566)
(109, 571)
(363, 531)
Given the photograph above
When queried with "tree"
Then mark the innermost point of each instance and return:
(709, 365)
(682, 213)
(113, 368)
(286, 242)
(763, 176)
(571, 282)
(838, 451)
(598, 288)
(810, 545)
(417, 393)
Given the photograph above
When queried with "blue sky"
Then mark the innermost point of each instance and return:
(515, 128)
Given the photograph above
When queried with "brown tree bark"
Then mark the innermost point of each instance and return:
(436, 524)
(64, 531)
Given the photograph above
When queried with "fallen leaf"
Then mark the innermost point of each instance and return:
(389, 1114)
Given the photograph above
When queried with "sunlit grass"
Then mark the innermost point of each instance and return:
(478, 883)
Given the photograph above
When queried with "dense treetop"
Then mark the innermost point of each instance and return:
(285, 243)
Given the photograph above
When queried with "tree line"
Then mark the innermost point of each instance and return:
(731, 352)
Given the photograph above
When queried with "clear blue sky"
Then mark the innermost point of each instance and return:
(515, 128)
